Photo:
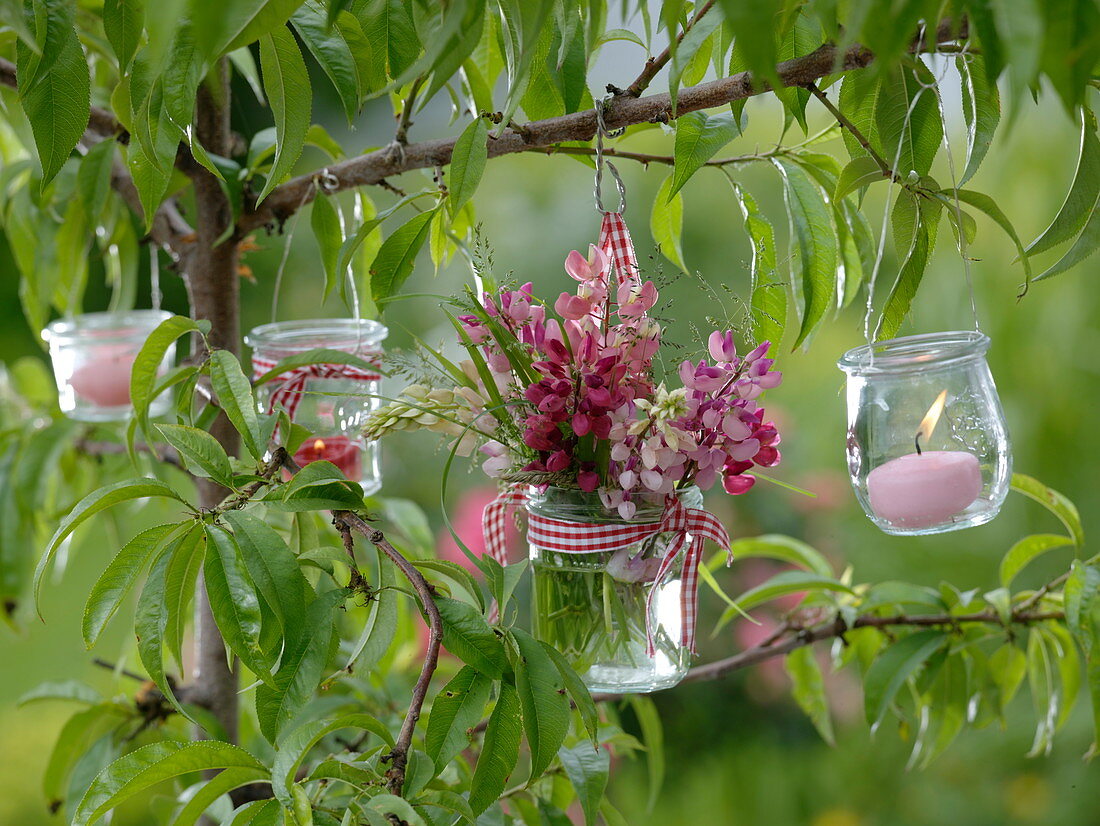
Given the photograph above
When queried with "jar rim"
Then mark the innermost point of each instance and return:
(348, 334)
(926, 350)
(650, 505)
(121, 324)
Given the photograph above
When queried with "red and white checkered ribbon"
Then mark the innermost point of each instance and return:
(689, 527)
(290, 386)
(615, 241)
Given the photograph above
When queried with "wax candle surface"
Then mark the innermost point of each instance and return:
(922, 490)
(340, 450)
(104, 379)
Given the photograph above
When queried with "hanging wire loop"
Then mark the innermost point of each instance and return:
(602, 132)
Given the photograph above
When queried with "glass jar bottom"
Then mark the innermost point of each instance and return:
(982, 511)
(625, 679)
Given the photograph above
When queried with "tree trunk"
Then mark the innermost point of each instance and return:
(214, 290)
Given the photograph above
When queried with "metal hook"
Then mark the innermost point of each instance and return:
(601, 133)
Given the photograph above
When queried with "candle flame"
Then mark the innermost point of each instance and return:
(319, 445)
(928, 423)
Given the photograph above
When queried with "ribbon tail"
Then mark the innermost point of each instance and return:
(689, 594)
(650, 608)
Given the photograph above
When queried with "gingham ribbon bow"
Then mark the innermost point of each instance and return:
(615, 241)
(290, 386)
(690, 528)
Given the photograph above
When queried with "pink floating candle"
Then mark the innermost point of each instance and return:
(104, 379)
(340, 450)
(920, 490)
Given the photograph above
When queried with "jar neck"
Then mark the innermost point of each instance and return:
(581, 506)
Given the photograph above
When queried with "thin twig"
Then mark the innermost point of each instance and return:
(124, 672)
(861, 139)
(837, 628)
(398, 756)
(402, 134)
(162, 453)
(358, 582)
(272, 466)
(655, 64)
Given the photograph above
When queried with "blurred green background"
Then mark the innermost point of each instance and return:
(738, 751)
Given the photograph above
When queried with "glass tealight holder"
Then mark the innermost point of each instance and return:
(93, 355)
(332, 401)
(928, 449)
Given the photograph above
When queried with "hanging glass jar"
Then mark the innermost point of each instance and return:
(602, 608)
(928, 450)
(332, 401)
(93, 355)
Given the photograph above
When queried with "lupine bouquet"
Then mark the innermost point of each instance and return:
(571, 401)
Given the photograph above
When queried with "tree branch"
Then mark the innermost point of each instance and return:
(887, 170)
(369, 169)
(799, 637)
(398, 756)
(646, 159)
(655, 64)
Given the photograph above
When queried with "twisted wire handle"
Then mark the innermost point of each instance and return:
(601, 133)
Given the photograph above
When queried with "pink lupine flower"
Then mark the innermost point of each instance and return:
(572, 307)
(626, 568)
(635, 300)
(721, 346)
(595, 267)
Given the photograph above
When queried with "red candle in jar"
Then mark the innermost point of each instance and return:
(340, 450)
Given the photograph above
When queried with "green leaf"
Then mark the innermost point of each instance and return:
(391, 806)
(224, 27)
(93, 180)
(896, 664)
(468, 164)
(381, 623)
(543, 699)
(397, 256)
(1028, 549)
(234, 601)
(666, 223)
(273, 569)
(290, 95)
(753, 27)
(654, 739)
(202, 452)
(990, 208)
(54, 84)
(75, 739)
(783, 548)
(147, 364)
(809, 690)
(859, 172)
(329, 231)
(185, 562)
(95, 502)
(151, 620)
(789, 582)
(118, 579)
(149, 765)
(301, 668)
(814, 265)
(1044, 697)
(69, 690)
(123, 22)
(698, 137)
(468, 636)
(981, 110)
(1087, 243)
(897, 116)
(768, 300)
(457, 708)
(235, 398)
(587, 768)
(947, 710)
(578, 691)
(500, 752)
(296, 745)
(692, 56)
(1079, 595)
(1080, 203)
(388, 25)
(1054, 502)
(337, 45)
(317, 486)
(926, 216)
(204, 795)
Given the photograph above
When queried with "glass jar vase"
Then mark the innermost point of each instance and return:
(928, 449)
(332, 401)
(593, 607)
(93, 355)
